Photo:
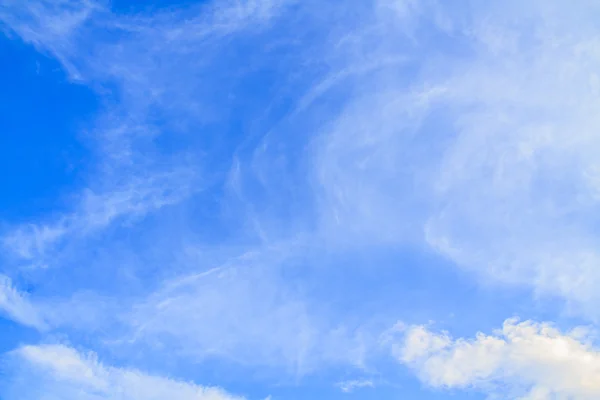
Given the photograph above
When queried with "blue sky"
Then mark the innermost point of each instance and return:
(281, 199)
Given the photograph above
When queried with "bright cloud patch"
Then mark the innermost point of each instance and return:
(60, 372)
(528, 360)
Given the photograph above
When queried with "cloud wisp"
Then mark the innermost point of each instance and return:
(16, 306)
(62, 372)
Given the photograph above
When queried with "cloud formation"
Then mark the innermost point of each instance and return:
(240, 146)
(517, 191)
(245, 312)
(525, 360)
(60, 372)
(351, 386)
(17, 307)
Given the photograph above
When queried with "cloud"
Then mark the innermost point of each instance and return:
(137, 170)
(16, 306)
(351, 386)
(253, 125)
(483, 148)
(38, 243)
(125, 183)
(526, 360)
(246, 312)
(161, 140)
(60, 372)
(517, 191)
(51, 26)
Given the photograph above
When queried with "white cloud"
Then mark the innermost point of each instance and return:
(17, 306)
(130, 179)
(60, 372)
(52, 26)
(352, 385)
(488, 154)
(528, 360)
(134, 176)
(517, 193)
(37, 243)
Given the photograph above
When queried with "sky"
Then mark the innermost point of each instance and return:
(285, 199)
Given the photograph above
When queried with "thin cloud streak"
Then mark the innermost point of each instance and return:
(63, 372)
(17, 306)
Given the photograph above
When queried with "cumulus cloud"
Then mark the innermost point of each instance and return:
(526, 360)
(60, 372)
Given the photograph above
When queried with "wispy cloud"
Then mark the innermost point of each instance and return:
(488, 159)
(62, 372)
(516, 192)
(51, 26)
(245, 311)
(16, 306)
(351, 386)
(135, 176)
(39, 243)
